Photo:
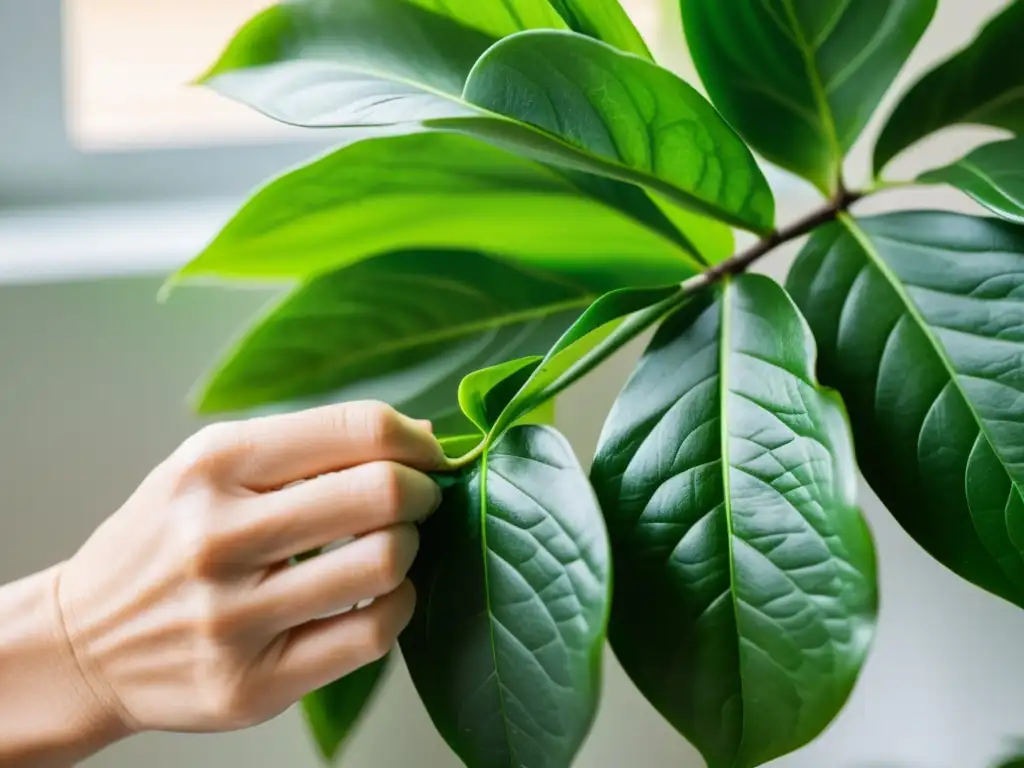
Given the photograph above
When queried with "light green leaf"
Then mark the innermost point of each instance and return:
(333, 711)
(333, 63)
(713, 241)
(982, 84)
(497, 18)
(479, 389)
(992, 174)
(583, 346)
(627, 111)
(513, 578)
(745, 584)
(919, 317)
(603, 20)
(799, 79)
(443, 192)
(402, 327)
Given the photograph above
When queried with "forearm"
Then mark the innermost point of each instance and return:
(49, 717)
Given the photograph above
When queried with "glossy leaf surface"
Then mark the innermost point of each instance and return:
(603, 20)
(337, 63)
(381, 316)
(512, 580)
(625, 110)
(918, 316)
(444, 192)
(799, 79)
(982, 84)
(745, 585)
(992, 174)
(333, 711)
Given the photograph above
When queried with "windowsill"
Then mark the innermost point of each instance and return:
(82, 242)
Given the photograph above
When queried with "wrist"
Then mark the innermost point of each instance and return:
(49, 713)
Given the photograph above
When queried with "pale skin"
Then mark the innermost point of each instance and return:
(183, 611)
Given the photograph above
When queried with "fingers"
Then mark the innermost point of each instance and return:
(323, 651)
(270, 452)
(283, 524)
(371, 566)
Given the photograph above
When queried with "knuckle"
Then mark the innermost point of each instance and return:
(395, 551)
(380, 424)
(204, 453)
(388, 488)
(204, 543)
(378, 638)
(215, 622)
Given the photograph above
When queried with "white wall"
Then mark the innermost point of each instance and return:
(92, 380)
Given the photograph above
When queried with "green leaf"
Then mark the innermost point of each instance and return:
(497, 19)
(333, 711)
(919, 317)
(799, 79)
(603, 20)
(513, 575)
(561, 367)
(982, 84)
(625, 110)
(713, 241)
(745, 583)
(444, 192)
(333, 63)
(479, 390)
(992, 174)
(419, 312)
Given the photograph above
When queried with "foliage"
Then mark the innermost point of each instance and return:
(528, 192)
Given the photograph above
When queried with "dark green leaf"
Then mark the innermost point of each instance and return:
(416, 312)
(333, 711)
(384, 62)
(993, 175)
(603, 20)
(799, 79)
(982, 84)
(919, 317)
(513, 579)
(745, 585)
(442, 192)
(624, 110)
(560, 366)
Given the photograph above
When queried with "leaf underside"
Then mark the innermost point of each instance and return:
(745, 585)
(993, 175)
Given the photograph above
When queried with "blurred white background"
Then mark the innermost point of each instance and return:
(112, 173)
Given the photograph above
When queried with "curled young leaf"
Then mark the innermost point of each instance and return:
(745, 585)
(919, 319)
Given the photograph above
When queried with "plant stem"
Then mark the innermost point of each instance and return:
(645, 318)
(738, 263)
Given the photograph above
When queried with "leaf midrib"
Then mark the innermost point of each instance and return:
(723, 394)
(485, 556)
(937, 348)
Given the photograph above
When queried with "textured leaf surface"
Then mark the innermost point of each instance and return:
(919, 318)
(444, 192)
(603, 20)
(625, 110)
(513, 587)
(982, 84)
(799, 79)
(361, 63)
(384, 315)
(993, 175)
(333, 711)
(745, 585)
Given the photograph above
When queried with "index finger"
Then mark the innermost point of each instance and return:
(272, 451)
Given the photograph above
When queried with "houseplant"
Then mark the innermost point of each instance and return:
(524, 192)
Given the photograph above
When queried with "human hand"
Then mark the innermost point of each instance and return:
(182, 610)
